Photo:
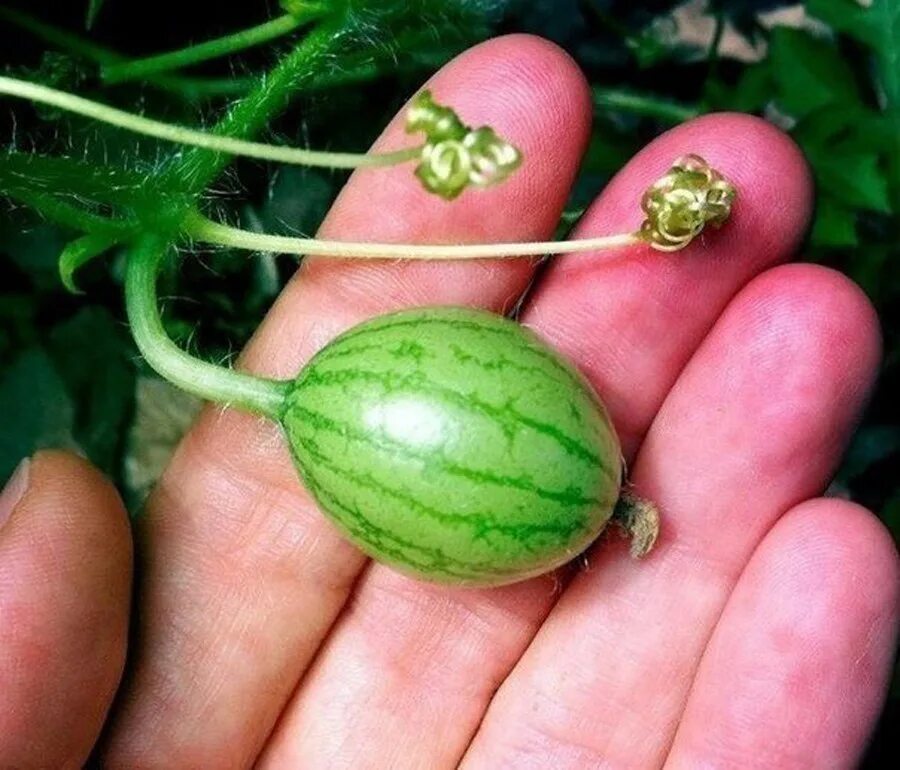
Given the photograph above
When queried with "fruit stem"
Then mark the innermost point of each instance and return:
(215, 383)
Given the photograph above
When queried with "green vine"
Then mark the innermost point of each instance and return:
(121, 72)
(451, 158)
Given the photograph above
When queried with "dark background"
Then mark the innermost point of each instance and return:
(70, 375)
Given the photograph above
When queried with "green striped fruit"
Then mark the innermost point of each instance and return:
(454, 445)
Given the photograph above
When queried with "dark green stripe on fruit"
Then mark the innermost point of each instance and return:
(505, 415)
(394, 549)
(455, 445)
(519, 336)
(382, 442)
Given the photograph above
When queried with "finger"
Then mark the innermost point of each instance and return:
(243, 575)
(796, 672)
(756, 423)
(411, 668)
(632, 323)
(65, 585)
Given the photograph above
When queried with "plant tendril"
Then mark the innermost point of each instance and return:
(457, 156)
(452, 158)
(678, 207)
(680, 204)
(227, 145)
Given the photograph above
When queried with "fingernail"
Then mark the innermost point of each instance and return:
(14, 491)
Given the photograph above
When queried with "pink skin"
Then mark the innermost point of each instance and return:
(65, 586)
(264, 637)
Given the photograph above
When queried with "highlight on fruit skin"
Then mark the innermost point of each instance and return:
(454, 445)
(456, 156)
(691, 195)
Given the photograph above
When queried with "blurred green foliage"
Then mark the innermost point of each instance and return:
(828, 71)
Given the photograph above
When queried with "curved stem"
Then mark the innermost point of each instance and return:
(196, 168)
(214, 383)
(222, 144)
(78, 253)
(212, 49)
(207, 231)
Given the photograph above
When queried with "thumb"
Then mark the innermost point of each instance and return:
(65, 585)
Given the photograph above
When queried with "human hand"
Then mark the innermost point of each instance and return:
(758, 633)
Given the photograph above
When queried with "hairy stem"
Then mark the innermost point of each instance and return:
(197, 168)
(201, 229)
(66, 214)
(35, 92)
(152, 65)
(195, 171)
(214, 383)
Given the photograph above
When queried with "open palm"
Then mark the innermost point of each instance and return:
(759, 633)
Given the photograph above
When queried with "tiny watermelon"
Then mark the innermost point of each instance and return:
(454, 445)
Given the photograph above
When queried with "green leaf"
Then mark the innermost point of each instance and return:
(809, 73)
(849, 17)
(878, 27)
(36, 411)
(94, 8)
(34, 247)
(886, 18)
(841, 128)
(890, 515)
(754, 89)
(854, 179)
(78, 253)
(871, 445)
(653, 44)
(93, 354)
(834, 225)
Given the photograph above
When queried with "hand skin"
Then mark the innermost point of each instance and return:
(759, 633)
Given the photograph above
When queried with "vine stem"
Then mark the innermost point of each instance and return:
(643, 104)
(215, 383)
(78, 105)
(60, 38)
(187, 88)
(202, 229)
(194, 170)
(273, 29)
